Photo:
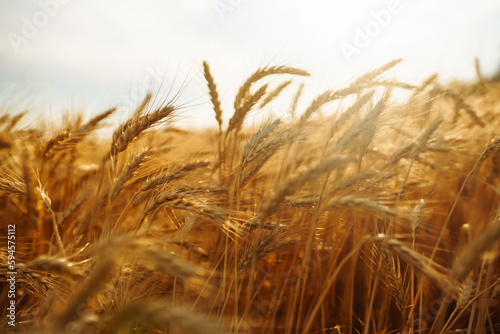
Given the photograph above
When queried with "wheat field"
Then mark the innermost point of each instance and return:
(359, 214)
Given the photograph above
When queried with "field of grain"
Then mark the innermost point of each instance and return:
(359, 214)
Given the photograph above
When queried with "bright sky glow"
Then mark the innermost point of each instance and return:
(90, 55)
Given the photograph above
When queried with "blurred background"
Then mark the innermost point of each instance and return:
(70, 56)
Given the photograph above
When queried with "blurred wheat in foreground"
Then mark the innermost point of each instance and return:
(358, 215)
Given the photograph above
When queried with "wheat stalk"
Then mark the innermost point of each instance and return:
(163, 314)
(48, 206)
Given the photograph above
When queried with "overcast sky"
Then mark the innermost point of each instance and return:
(89, 55)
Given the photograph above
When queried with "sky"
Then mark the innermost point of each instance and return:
(74, 56)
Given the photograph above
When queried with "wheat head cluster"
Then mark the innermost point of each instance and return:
(358, 214)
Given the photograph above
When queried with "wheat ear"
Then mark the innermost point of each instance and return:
(394, 280)
(214, 98)
(259, 74)
(368, 77)
(481, 243)
(12, 122)
(241, 112)
(127, 132)
(352, 201)
(418, 261)
(294, 183)
(212, 91)
(462, 104)
(274, 93)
